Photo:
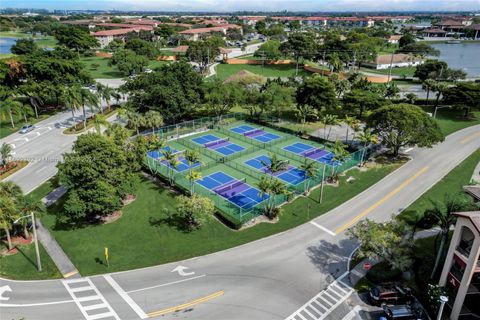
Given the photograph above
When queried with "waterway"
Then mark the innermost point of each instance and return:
(465, 56)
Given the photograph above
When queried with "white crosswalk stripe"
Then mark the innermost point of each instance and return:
(99, 309)
(320, 306)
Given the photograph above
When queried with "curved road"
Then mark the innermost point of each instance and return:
(267, 279)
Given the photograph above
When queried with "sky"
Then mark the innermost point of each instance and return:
(250, 5)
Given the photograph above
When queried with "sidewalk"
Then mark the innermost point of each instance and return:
(61, 260)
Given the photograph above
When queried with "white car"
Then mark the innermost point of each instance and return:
(27, 128)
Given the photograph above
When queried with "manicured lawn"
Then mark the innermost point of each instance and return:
(6, 127)
(226, 70)
(143, 237)
(451, 183)
(452, 120)
(42, 41)
(23, 265)
(407, 71)
(104, 71)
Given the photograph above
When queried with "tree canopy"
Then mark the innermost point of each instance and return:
(142, 47)
(75, 38)
(402, 125)
(269, 50)
(128, 62)
(24, 46)
(319, 93)
(464, 95)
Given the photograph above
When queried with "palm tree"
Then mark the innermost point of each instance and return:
(7, 108)
(328, 120)
(335, 62)
(24, 111)
(172, 160)
(339, 154)
(310, 169)
(439, 88)
(99, 121)
(27, 206)
(351, 122)
(72, 99)
(134, 119)
(367, 137)
(428, 85)
(5, 153)
(193, 176)
(264, 189)
(440, 215)
(153, 119)
(7, 216)
(303, 112)
(273, 187)
(87, 97)
(274, 164)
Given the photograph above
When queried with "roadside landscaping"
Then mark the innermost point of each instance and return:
(452, 120)
(7, 129)
(11, 168)
(80, 127)
(98, 67)
(145, 221)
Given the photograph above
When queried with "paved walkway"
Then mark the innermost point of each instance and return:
(61, 260)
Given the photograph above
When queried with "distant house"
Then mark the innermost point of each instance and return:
(394, 39)
(194, 34)
(251, 20)
(104, 37)
(434, 33)
(398, 60)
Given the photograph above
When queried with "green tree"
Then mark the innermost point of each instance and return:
(335, 62)
(274, 164)
(419, 49)
(7, 108)
(128, 62)
(106, 93)
(402, 125)
(194, 210)
(5, 153)
(310, 168)
(172, 159)
(192, 157)
(7, 216)
(360, 101)
(351, 122)
(24, 46)
(329, 120)
(391, 91)
(428, 85)
(406, 39)
(388, 241)
(99, 121)
(26, 206)
(86, 97)
(440, 215)
(319, 93)
(340, 154)
(303, 112)
(71, 96)
(203, 52)
(367, 138)
(133, 119)
(463, 96)
(439, 88)
(75, 38)
(153, 119)
(431, 69)
(220, 98)
(300, 46)
(97, 175)
(270, 50)
(142, 48)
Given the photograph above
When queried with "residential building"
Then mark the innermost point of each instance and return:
(104, 37)
(398, 60)
(434, 33)
(251, 20)
(461, 271)
(394, 39)
(194, 34)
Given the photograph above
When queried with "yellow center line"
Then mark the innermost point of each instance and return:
(470, 138)
(185, 305)
(379, 202)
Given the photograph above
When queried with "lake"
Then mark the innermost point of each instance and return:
(6, 44)
(465, 56)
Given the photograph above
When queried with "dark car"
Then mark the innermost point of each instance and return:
(390, 293)
(412, 311)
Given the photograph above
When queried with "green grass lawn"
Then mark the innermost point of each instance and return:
(23, 265)
(452, 120)
(7, 129)
(142, 237)
(451, 183)
(226, 70)
(407, 71)
(104, 71)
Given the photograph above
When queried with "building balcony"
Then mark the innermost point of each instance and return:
(463, 253)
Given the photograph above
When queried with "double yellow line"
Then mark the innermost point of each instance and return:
(381, 201)
(470, 138)
(185, 305)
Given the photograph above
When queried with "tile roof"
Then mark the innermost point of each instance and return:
(474, 216)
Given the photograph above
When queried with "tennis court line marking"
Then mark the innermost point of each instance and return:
(167, 284)
(323, 228)
(186, 305)
(381, 201)
(469, 138)
(125, 297)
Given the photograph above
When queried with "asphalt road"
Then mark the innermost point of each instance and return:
(43, 148)
(267, 279)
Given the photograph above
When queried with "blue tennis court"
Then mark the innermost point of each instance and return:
(292, 175)
(222, 146)
(236, 191)
(183, 163)
(308, 151)
(255, 133)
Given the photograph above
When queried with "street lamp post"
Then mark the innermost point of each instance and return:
(35, 238)
(443, 300)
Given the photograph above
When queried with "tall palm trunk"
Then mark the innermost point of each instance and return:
(26, 234)
(11, 119)
(440, 252)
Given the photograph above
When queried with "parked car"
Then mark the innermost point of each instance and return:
(390, 293)
(413, 311)
(26, 128)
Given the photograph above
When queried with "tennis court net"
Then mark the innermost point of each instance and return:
(311, 152)
(252, 132)
(215, 143)
(231, 185)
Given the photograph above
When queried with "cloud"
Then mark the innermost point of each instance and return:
(235, 5)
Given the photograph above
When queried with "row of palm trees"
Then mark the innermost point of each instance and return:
(13, 205)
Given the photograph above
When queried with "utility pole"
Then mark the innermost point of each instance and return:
(323, 182)
(37, 251)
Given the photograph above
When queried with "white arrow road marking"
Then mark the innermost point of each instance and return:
(181, 271)
(5, 289)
